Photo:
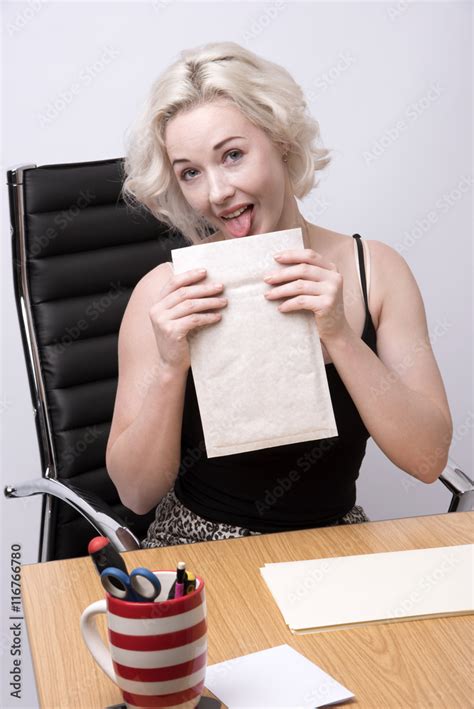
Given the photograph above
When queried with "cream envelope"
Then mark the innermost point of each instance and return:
(313, 594)
(259, 373)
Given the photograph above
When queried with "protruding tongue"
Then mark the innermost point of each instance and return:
(240, 226)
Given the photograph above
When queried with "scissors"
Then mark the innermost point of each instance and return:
(139, 585)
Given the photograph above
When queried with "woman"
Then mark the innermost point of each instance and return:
(223, 150)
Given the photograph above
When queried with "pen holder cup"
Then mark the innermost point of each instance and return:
(157, 651)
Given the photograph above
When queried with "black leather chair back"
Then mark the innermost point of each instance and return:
(78, 252)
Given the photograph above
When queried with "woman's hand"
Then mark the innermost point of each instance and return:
(310, 282)
(181, 309)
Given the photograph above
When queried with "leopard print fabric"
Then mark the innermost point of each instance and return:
(175, 524)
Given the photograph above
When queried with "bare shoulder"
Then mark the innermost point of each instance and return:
(390, 269)
(384, 264)
(338, 246)
(152, 282)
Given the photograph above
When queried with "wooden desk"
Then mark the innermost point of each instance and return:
(426, 663)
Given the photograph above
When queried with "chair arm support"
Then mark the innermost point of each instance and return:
(97, 513)
(461, 485)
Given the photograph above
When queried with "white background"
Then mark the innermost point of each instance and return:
(391, 86)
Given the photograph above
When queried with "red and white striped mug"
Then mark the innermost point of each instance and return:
(158, 650)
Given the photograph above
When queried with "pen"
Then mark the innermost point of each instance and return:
(104, 555)
(180, 579)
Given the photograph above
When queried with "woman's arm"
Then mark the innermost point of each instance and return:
(399, 394)
(144, 446)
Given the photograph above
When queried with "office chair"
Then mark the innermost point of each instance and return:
(78, 252)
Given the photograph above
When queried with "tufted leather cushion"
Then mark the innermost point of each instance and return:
(85, 252)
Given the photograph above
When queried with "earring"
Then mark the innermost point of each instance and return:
(285, 157)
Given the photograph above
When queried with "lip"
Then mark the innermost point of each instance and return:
(233, 209)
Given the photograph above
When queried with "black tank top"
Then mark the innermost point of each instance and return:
(295, 486)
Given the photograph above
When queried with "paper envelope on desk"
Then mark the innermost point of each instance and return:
(337, 592)
(259, 373)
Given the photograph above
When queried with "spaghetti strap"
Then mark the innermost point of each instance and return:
(360, 251)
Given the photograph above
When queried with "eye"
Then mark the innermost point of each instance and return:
(185, 172)
(235, 150)
(190, 169)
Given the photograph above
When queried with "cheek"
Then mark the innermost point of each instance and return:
(195, 199)
(275, 184)
(271, 179)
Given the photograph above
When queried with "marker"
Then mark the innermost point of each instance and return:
(190, 583)
(180, 579)
(104, 555)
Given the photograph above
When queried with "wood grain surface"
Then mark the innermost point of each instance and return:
(419, 663)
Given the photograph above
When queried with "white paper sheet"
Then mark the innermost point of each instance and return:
(327, 593)
(259, 373)
(277, 677)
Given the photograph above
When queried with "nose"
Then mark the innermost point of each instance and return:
(220, 188)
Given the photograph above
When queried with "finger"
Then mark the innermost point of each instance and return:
(186, 291)
(198, 305)
(295, 288)
(305, 271)
(304, 256)
(302, 302)
(191, 323)
(182, 279)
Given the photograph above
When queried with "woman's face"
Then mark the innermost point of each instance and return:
(223, 162)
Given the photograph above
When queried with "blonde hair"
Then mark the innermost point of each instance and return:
(264, 92)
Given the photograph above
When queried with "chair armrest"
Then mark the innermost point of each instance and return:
(97, 513)
(460, 484)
